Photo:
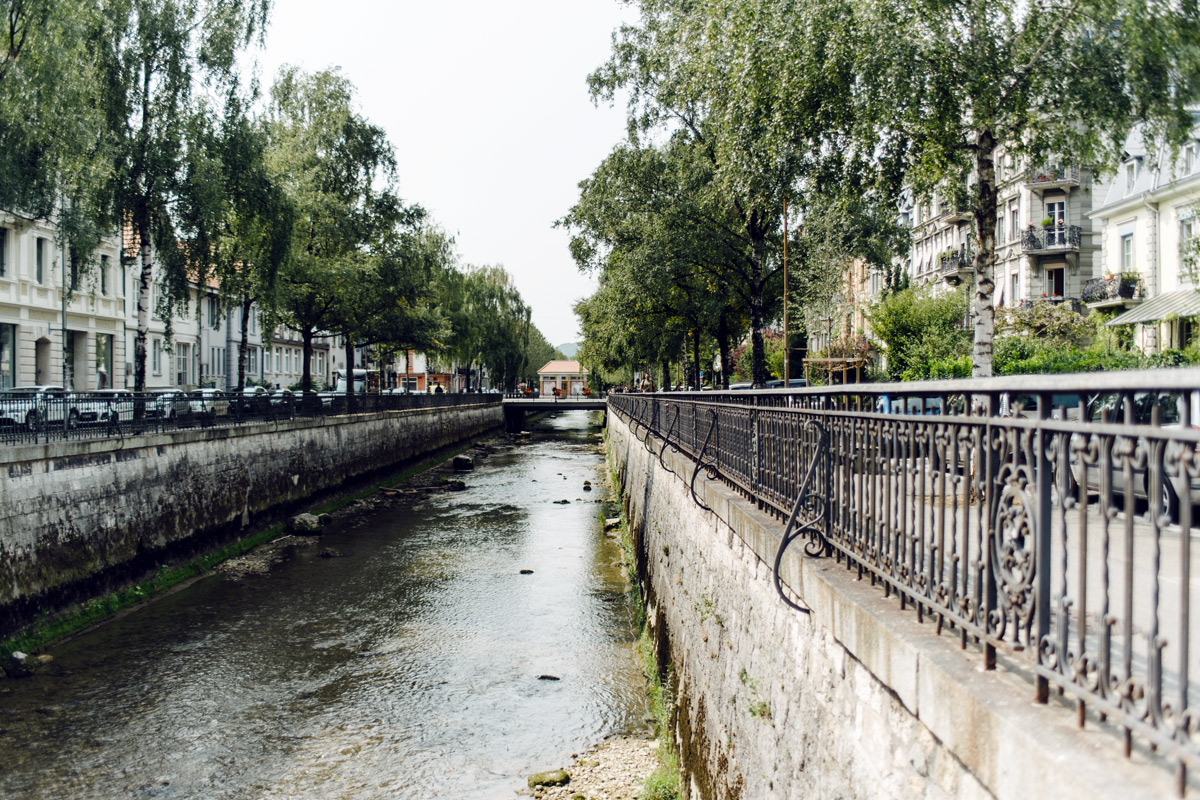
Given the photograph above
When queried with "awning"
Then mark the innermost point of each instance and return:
(1184, 303)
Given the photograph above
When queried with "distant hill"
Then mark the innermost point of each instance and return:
(569, 349)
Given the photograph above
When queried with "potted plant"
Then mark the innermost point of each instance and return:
(1047, 222)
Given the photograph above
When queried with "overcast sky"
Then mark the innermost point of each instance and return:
(487, 106)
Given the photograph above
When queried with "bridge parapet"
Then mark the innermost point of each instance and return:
(1044, 520)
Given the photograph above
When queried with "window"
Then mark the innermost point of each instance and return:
(214, 312)
(278, 360)
(104, 360)
(1056, 282)
(40, 257)
(104, 275)
(1131, 173)
(1187, 230)
(252, 361)
(156, 356)
(3, 254)
(1014, 295)
(8, 356)
(183, 363)
(1014, 220)
(1127, 253)
(1056, 212)
(1190, 159)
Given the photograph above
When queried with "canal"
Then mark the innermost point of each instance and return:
(418, 664)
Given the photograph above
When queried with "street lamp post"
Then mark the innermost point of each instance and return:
(786, 339)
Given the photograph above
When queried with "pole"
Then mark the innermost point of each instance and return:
(63, 292)
(786, 338)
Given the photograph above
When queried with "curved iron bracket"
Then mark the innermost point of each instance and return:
(710, 469)
(667, 441)
(814, 528)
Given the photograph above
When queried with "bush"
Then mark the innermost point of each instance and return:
(919, 328)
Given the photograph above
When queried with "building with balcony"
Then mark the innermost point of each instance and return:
(1148, 224)
(1045, 246)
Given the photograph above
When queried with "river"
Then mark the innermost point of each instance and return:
(409, 668)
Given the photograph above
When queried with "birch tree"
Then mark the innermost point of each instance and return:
(155, 60)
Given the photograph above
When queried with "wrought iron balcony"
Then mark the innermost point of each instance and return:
(1052, 177)
(1059, 239)
(953, 264)
(1110, 291)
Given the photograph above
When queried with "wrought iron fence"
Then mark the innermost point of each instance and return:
(1046, 519)
(43, 414)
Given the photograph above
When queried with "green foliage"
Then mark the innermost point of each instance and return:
(918, 329)
(1054, 324)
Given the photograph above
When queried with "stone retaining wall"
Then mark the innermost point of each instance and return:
(79, 517)
(855, 700)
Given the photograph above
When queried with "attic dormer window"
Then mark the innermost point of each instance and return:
(1190, 158)
(1131, 173)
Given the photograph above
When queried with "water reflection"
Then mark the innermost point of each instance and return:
(408, 668)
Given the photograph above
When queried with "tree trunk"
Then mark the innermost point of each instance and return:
(758, 355)
(723, 349)
(985, 253)
(695, 380)
(306, 337)
(143, 306)
(244, 344)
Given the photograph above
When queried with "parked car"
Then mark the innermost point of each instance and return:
(109, 406)
(1143, 405)
(283, 399)
(168, 406)
(250, 401)
(32, 406)
(208, 403)
(793, 383)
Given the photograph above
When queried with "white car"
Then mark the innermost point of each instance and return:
(108, 406)
(33, 406)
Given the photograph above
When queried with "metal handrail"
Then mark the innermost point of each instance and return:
(28, 417)
(1046, 517)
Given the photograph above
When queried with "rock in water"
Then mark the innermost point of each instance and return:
(463, 464)
(555, 777)
(612, 522)
(305, 523)
(19, 665)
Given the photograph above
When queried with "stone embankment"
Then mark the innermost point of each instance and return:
(81, 518)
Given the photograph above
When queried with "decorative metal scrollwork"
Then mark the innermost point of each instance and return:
(667, 439)
(1013, 549)
(817, 503)
(710, 469)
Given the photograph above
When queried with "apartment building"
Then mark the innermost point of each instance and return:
(43, 341)
(1148, 222)
(1045, 243)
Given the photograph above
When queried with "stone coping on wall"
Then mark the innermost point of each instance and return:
(67, 448)
(1016, 748)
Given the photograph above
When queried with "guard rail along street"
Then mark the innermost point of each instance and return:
(1045, 520)
(43, 414)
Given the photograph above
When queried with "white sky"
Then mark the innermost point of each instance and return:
(487, 105)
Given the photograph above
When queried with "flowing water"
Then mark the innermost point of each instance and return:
(410, 668)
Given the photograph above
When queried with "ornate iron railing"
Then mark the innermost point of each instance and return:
(1052, 174)
(1049, 520)
(1057, 238)
(34, 415)
(1096, 290)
